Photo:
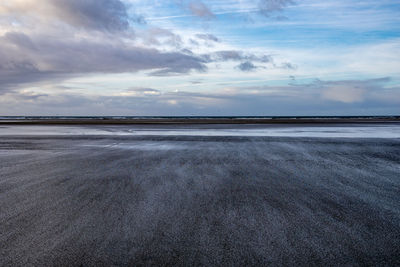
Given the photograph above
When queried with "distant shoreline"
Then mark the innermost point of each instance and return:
(192, 120)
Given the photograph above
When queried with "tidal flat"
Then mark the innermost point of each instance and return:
(231, 195)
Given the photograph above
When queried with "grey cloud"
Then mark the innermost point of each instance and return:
(350, 91)
(235, 55)
(208, 37)
(31, 59)
(228, 55)
(265, 7)
(25, 96)
(346, 92)
(102, 15)
(196, 82)
(194, 42)
(247, 66)
(110, 15)
(268, 7)
(160, 36)
(198, 8)
(288, 65)
(187, 52)
(25, 59)
(247, 60)
(368, 83)
(300, 99)
(19, 39)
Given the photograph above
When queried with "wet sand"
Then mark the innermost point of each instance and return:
(193, 120)
(103, 200)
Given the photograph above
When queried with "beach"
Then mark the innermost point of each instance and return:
(234, 195)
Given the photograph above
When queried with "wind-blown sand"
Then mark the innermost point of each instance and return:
(102, 200)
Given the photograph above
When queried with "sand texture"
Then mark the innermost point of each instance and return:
(198, 200)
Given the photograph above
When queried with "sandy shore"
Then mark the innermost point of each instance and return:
(198, 200)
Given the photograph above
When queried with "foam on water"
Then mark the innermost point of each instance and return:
(345, 131)
(145, 146)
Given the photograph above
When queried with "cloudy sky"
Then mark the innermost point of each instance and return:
(188, 57)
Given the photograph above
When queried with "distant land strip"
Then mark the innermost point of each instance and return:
(118, 120)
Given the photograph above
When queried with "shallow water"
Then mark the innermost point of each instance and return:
(346, 131)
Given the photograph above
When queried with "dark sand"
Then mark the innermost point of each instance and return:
(181, 200)
(194, 120)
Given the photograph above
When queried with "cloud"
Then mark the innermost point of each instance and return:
(38, 57)
(268, 7)
(156, 36)
(199, 9)
(345, 94)
(102, 15)
(288, 66)
(267, 100)
(247, 60)
(227, 55)
(247, 66)
(342, 91)
(26, 59)
(110, 15)
(235, 55)
(265, 7)
(208, 37)
(349, 91)
(141, 92)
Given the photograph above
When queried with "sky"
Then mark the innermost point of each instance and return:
(199, 58)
